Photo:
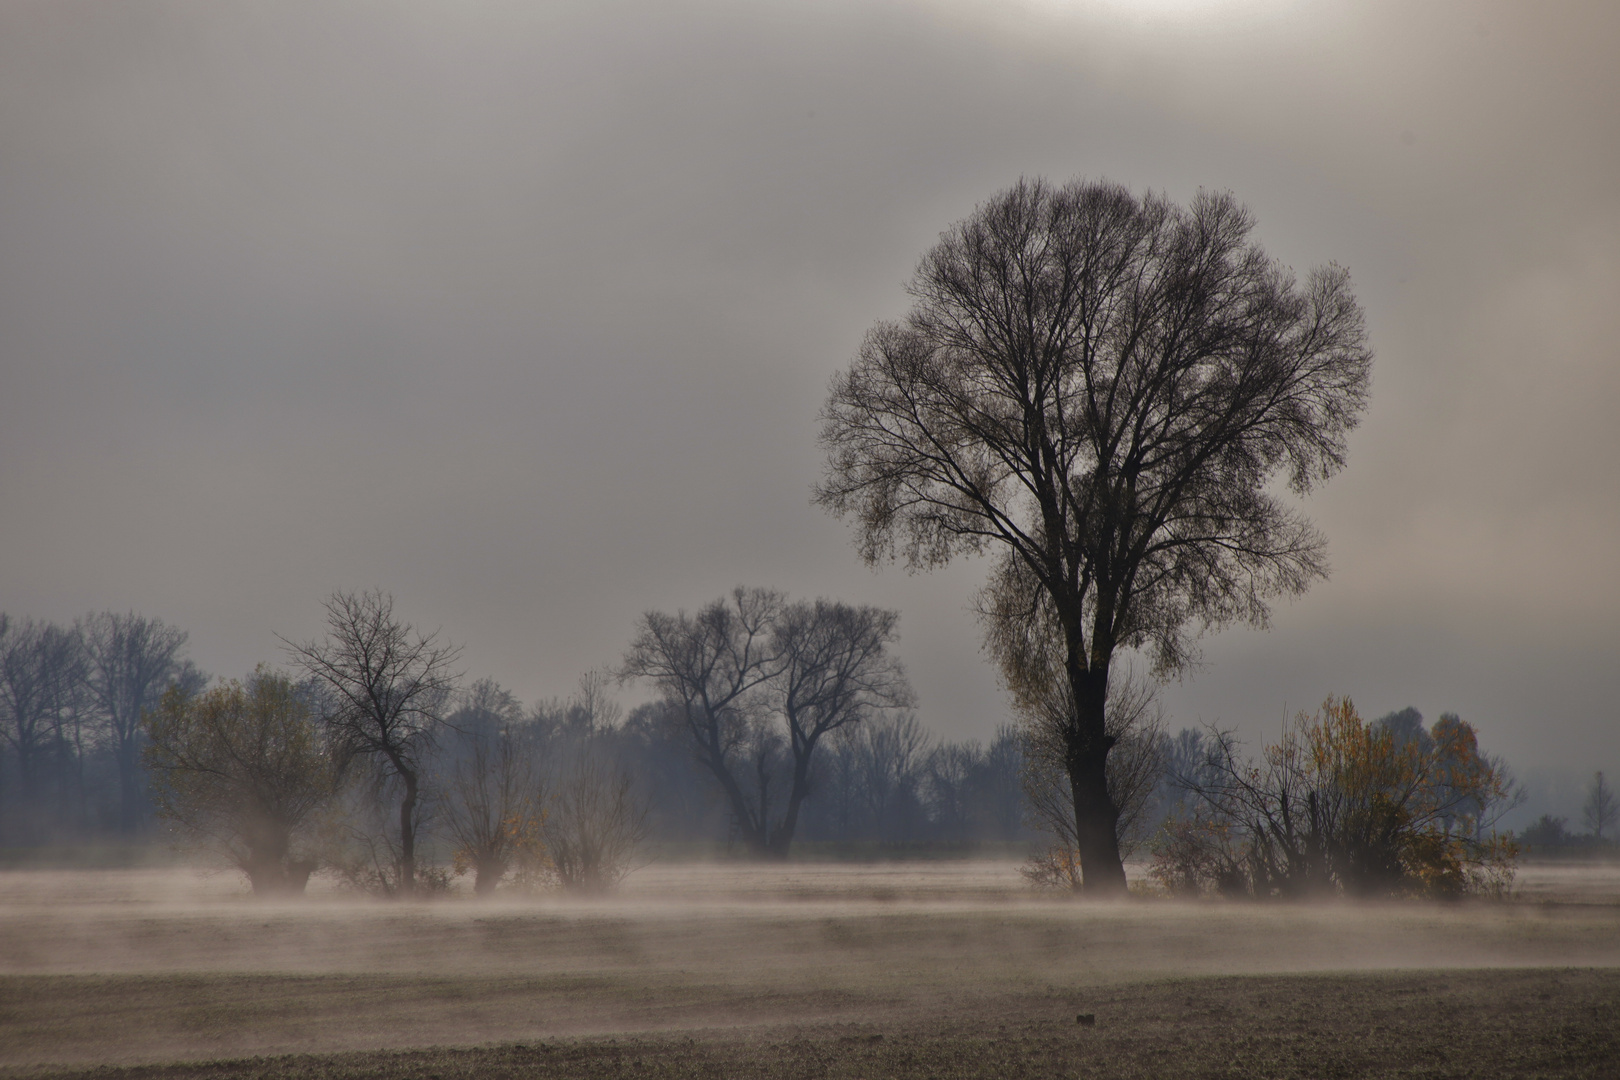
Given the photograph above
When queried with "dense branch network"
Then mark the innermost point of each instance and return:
(742, 664)
(1101, 388)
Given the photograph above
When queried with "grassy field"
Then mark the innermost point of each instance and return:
(943, 969)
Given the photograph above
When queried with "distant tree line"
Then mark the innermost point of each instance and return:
(72, 702)
(1551, 837)
(370, 755)
(776, 723)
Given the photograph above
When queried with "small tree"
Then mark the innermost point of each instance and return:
(1599, 810)
(390, 685)
(245, 768)
(493, 797)
(593, 825)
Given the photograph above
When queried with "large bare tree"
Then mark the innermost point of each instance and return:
(1100, 390)
(390, 685)
(741, 670)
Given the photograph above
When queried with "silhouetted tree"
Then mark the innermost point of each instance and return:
(42, 697)
(741, 665)
(390, 685)
(1136, 724)
(709, 665)
(1100, 389)
(836, 671)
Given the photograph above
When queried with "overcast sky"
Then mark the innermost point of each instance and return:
(524, 312)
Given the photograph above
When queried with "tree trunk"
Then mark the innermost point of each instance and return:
(407, 834)
(269, 871)
(754, 832)
(129, 785)
(486, 875)
(782, 835)
(1096, 818)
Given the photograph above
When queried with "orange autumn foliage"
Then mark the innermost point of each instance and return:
(1339, 805)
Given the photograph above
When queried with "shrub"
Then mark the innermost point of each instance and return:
(1339, 805)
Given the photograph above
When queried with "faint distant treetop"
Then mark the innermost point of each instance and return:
(1599, 811)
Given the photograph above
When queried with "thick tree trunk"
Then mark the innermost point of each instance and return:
(753, 832)
(1097, 820)
(1096, 817)
(269, 871)
(486, 875)
(782, 835)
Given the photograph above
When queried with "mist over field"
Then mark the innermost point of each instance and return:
(714, 951)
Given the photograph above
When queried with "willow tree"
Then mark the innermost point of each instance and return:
(245, 768)
(1100, 390)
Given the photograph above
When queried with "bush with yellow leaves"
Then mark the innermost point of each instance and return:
(1343, 806)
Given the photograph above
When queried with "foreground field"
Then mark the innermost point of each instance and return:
(936, 969)
(1475, 1024)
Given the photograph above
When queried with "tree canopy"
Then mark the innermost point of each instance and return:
(1100, 389)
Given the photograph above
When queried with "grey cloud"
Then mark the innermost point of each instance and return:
(524, 312)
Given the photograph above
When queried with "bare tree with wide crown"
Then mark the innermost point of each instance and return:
(1100, 389)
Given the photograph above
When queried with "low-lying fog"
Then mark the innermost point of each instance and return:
(868, 924)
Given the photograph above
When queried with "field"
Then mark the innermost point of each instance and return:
(871, 970)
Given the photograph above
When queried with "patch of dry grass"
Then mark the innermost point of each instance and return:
(1431, 1024)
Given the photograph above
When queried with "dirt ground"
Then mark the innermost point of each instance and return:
(802, 970)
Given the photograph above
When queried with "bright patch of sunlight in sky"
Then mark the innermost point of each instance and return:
(1166, 11)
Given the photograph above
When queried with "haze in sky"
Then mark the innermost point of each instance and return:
(525, 313)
